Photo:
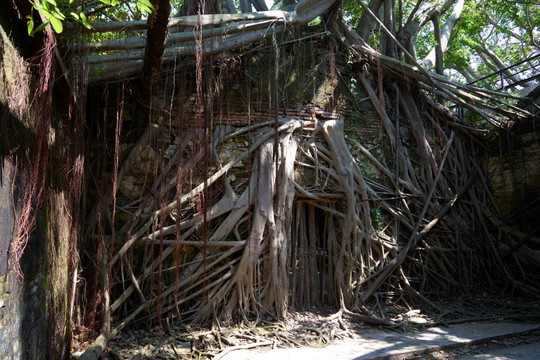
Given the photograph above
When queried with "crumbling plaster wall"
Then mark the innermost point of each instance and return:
(23, 304)
(513, 167)
(33, 307)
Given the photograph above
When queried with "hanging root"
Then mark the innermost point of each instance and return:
(321, 232)
(294, 214)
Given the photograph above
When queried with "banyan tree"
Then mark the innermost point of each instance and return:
(239, 165)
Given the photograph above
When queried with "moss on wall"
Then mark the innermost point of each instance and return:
(23, 306)
(33, 309)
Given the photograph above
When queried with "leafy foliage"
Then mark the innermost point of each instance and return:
(488, 36)
(508, 29)
(56, 12)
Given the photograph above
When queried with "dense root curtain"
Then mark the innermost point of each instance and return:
(324, 220)
(235, 223)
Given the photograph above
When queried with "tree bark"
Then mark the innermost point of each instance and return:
(388, 46)
(228, 6)
(155, 45)
(439, 65)
(444, 36)
(259, 5)
(417, 19)
(245, 6)
(499, 64)
(366, 23)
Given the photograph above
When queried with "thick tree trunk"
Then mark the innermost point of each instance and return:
(228, 6)
(245, 6)
(442, 37)
(366, 23)
(388, 46)
(259, 5)
(418, 18)
(41, 159)
(155, 45)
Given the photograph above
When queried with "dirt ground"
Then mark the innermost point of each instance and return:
(318, 327)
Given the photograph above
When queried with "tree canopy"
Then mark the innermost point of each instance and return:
(475, 38)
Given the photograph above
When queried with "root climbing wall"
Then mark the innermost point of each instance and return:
(357, 192)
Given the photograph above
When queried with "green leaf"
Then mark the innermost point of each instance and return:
(52, 2)
(30, 26)
(146, 3)
(39, 28)
(56, 24)
(144, 6)
(84, 21)
(45, 13)
(315, 21)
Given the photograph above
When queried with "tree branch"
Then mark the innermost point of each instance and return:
(430, 60)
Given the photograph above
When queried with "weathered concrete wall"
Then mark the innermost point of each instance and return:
(515, 175)
(514, 167)
(514, 178)
(23, 307)
(23, 303)
(33, 309)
